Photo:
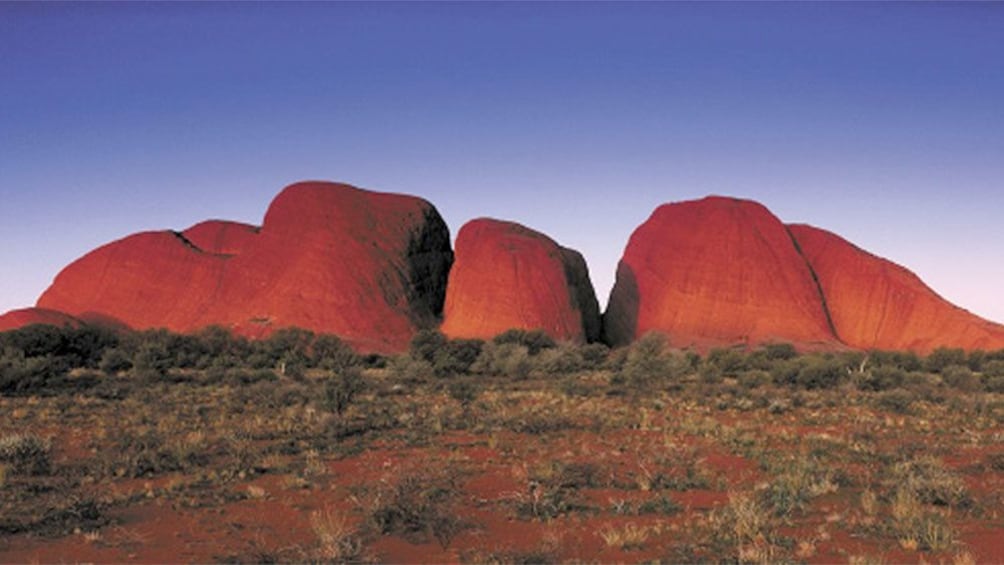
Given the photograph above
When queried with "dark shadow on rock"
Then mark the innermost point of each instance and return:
(582, 293)
(620, 321)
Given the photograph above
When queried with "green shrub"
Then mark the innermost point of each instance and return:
(330, 353)
(26, 454)
(464, 390)
(35, 340)
(754, 378)
(779, 351)
(897, 400)
(930, 481)
(456, 356)
(504, 359)
(884, 377)
(975, 360)
(289, 344)
(425, 344)
(648, 361)
(994, 368)
(943, 357)
(341, 389)
(115, 361)
(960, 377)
(905, 360)
(446, 357)
(406, 368)
(30, 375)
(994, 384)
(594, 355)
(785, 373)
(821, 373)
(561, 360)
(419, 503)
(238, 376)
(221, 348)
(534, 341)
(727, 362)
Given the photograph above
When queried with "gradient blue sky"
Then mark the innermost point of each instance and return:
(881, 122)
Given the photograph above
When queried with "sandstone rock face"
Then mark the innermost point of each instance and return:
(221, 236)
(370, 267)
(875, 303)
(150, 279)
(716, 272)
(509, 276)
(28, 316)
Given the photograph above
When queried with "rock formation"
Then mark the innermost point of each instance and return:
(509, 276)
(716, 271)
(877, 304)
(370, 267)
(221, 236)
(27, 316)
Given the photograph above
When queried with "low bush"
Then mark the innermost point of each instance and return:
(504, 359)
(929, 481)
(561, 360)
(26, 454)
(820, 373)
(883, 377)
(534, 341)
(417, 504)
(649, 362)
(896, 400)
(341, 389)
(456, 357)
(407, 369)
(962, 378)
(943, 357)
(330, 353)
(905, 360)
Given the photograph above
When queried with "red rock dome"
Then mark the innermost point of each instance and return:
(370, 267)
(221, 236)
(875, 303)
(28, 316)
(146, 280)
(716, 271)
(509, 276)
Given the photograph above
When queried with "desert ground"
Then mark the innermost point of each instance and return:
(157, 447)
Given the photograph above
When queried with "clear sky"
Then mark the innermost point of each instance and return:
(881, 122)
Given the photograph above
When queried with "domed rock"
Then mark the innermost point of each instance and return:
(877, 304)
(146, 280)
(370, 267)
(221, 236)
(509, 276)
(716, 272)
(29, 316)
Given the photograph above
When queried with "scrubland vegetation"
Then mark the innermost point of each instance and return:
(153, 446)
